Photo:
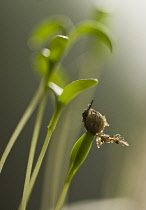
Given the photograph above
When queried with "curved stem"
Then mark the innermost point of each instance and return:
(35, 136)
(51, 128)
(31, 107)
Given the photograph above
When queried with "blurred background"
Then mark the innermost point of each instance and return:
(112, 177)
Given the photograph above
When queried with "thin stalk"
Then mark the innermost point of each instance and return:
(35, 136)
(63, 194)
(31, 107)
(51, 128)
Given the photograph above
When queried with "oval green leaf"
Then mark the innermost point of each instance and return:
(79, 153)
(92, 28)
(57, 47)
(41, 62)
(74, 88)
(46, 29)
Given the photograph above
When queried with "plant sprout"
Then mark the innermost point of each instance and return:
(51, 41)
(94, 123)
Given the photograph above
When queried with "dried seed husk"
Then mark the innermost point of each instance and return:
(94, 122)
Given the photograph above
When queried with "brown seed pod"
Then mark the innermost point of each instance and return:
(94, 122)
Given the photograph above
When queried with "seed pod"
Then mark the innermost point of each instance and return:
(94, 122)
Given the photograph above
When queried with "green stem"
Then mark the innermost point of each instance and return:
(33, 144)
(63, 194)
(21, 124)
(51, 128)
(78, 155)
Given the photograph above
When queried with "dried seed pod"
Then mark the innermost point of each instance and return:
(94, 122)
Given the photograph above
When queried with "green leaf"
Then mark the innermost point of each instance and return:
(92, 28)
(46, 29)
(47, 58)
(100, 15)
(57, 47)
(41, 61)
(79, 153)
(74, 88)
